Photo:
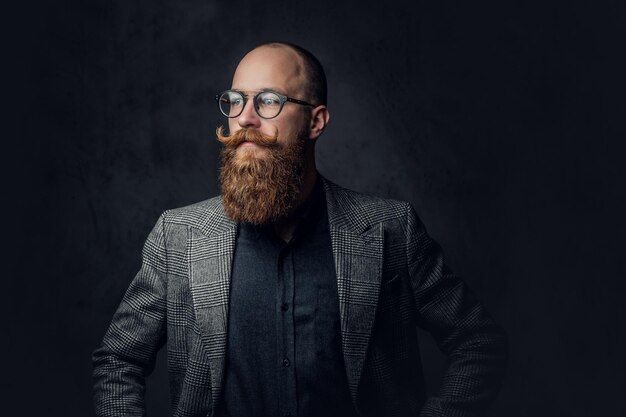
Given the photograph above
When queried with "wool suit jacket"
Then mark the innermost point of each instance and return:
(390, 278)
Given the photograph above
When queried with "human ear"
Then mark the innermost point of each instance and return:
(319, 119)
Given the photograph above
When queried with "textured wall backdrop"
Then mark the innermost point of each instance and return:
(501, 122)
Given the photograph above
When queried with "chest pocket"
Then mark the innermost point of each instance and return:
(395, 302)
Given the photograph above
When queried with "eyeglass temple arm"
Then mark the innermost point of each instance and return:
(304, 103)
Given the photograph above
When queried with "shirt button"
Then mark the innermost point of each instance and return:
(286, 363)
(284, 307)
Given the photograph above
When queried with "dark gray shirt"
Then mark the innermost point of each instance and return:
(284, 353)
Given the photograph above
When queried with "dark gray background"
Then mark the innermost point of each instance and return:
(502, 122)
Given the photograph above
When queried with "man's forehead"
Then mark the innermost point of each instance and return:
(276, 68)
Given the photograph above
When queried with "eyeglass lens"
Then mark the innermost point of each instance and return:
(267, 104)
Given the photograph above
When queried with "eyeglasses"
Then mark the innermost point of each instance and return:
(267, 103)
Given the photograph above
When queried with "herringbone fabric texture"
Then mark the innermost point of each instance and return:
(390, 277)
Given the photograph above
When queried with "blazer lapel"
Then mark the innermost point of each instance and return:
(210, 253)
(358, 253)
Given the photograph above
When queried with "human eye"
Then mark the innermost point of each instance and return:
(234, 99)
(269, 99)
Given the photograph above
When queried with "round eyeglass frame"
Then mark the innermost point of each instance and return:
(282, 98)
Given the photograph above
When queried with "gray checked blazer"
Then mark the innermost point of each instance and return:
(391, 278)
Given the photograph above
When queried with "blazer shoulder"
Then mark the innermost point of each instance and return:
(207, 216)
(362, 210)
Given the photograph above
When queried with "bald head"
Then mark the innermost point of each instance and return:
(299, 65)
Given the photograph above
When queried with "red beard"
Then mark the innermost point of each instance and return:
(260, 186)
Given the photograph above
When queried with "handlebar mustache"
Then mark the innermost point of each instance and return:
(246, 135)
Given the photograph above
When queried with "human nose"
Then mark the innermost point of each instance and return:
(249, 117)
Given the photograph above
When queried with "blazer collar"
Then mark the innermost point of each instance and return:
(346, 210)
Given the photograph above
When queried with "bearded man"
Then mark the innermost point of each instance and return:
(288, 295)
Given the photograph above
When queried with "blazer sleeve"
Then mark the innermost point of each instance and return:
(476, 347)
(136, 333)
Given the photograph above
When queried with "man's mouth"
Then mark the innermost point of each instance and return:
(250, 146)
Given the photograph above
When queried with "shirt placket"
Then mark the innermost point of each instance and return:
(288, 405)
